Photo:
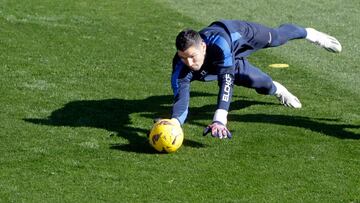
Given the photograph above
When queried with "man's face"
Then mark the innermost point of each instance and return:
(194, 56)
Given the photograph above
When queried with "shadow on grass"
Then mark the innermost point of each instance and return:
(329, 127)
(314, 124)
(114, 115)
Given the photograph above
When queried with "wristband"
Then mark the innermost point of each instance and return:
(221, 116)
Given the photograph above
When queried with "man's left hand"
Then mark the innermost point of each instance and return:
(218, 129)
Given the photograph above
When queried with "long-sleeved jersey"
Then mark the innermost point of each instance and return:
(227, 41)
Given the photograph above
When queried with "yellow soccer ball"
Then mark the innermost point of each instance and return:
(166, 136)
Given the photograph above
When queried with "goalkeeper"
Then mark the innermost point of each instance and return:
(219, 52)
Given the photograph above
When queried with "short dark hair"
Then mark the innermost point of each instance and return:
(187, 38)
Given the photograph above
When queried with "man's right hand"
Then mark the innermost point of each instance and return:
(218, 130)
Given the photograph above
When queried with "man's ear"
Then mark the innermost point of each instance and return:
(203, 45)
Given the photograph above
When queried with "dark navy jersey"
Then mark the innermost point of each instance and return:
(227, 41)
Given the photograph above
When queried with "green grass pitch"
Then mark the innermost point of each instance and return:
(82, 80)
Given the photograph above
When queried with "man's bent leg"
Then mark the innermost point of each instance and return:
(252, 77)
